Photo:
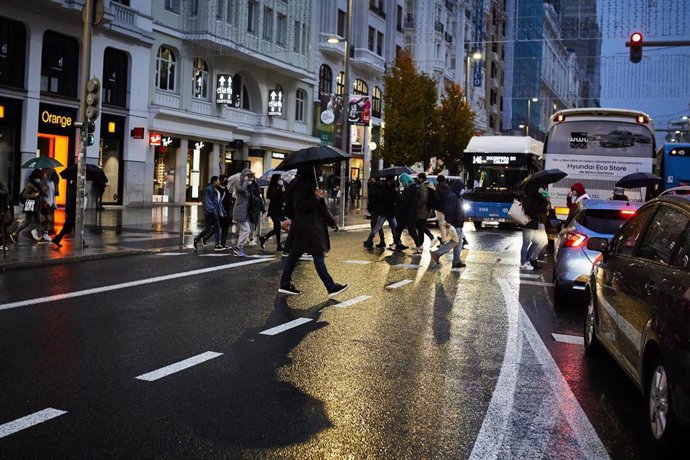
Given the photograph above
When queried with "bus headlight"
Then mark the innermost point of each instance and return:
(466, 207)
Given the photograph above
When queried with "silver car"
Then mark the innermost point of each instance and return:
(573, 261)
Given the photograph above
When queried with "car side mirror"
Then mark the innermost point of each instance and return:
(598, 244)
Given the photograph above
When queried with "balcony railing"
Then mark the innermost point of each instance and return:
(243, 117)
(165, 99)
(122, 13)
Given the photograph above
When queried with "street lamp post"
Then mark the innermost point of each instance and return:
(529, 113)
(476, 55)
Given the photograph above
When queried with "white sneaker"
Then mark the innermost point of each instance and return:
(46, 237)
(526, 266)
(251, 243)
(34, 235)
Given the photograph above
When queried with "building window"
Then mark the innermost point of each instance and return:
(115, 77)
(376, 102)
(300, 98)
(268, 23)
(59, 64)
(193, 7)
(298, 38)
(360, 88)
(173, 5)
(281, 38)
(305, 37)
(325, 80)
(493, 97)
(492, 122)
(372, 39)
(240, 95)
(399, 19)
(229, 13)
(494, 70)
(342, 20)
(340, 84)
(12, 53)
(379, 43)
(252, 16)
(200, 90)
(165, 69)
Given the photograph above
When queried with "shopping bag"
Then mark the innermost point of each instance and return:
(517, 213)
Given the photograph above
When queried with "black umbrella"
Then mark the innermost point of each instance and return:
(639, 179)
(544, 177)
(393, 171)
(311, 156)
(93, 172)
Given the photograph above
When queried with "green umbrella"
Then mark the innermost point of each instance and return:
(42, 163)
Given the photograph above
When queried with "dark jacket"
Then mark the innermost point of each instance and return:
(535, 206)
(311, 219)
(226, 201)
(452, 208)
(211, 205)
(388, 199)
(275, 205)
(443, 189)
(374, 197)
(407, 206)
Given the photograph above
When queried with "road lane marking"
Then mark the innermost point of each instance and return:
(406, 266)
(178, 366)
(30, 420)
(171, 254)
(574, 339)
(358, 262)
(529, 275)
(354, 300)
(286, 326)
(398, 284)
(489, 442)
(114, 287)
(227, 254)
(536, 283)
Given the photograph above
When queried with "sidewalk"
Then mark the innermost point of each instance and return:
(119, 231)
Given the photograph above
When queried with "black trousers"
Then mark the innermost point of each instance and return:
(70, 221)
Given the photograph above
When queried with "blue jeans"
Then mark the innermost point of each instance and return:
(378, 226)
(533, 240)
(319, 264)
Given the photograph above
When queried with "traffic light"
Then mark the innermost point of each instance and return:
(90, 129)
(635, 47)
(93, 88)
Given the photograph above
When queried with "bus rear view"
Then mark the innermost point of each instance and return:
(597, 147)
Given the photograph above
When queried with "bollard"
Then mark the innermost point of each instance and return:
(182, 227)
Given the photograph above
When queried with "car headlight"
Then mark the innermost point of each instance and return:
(466, 207)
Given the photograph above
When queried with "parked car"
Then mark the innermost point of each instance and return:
(638, 308)
(572, 259)
(680, 190)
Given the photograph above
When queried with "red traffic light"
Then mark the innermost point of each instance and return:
(636, 47)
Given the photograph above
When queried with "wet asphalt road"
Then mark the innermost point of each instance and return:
(453, 364)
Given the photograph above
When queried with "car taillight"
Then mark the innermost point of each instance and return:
(628, 213)
(574, 240)
(641, 119)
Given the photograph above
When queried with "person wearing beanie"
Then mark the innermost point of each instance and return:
(619, 194)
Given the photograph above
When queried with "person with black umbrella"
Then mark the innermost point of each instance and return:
(70, 214)
(309, 227)
(533, 232)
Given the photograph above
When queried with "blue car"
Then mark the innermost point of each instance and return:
(573, 261)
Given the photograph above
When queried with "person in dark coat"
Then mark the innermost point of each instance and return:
(386, 197)
(533, 232)
(212, 215)
(276, 210)
(619, 194)
(309, 228)
(406, 214)
(226, 202)
(454, 220)
(70, 214)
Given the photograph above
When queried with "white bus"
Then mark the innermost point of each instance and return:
(597, 146)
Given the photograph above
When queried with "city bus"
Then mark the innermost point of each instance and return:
(673, 165)
(596, 147)
(493, 167)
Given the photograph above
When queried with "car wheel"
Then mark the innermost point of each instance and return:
(590, 332)
(659, 403)
(477, 224)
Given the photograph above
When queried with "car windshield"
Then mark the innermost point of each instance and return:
(606, 221)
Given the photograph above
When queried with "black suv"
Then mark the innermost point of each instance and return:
(639, 308)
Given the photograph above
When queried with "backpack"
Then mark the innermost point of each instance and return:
(433, 199)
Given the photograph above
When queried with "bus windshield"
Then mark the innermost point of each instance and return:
(600, 137)
(496, 177)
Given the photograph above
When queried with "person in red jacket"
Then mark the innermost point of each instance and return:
(577, 193)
